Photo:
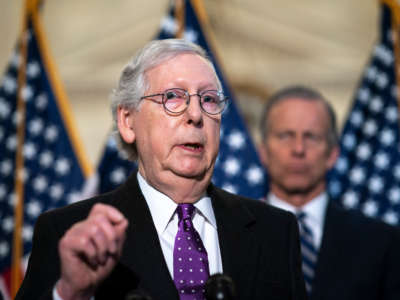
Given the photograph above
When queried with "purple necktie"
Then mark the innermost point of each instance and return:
(190, 257)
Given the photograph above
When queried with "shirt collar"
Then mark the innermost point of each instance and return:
(162, 208)
(314, 209)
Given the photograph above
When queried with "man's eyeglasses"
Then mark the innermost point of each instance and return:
(176, 100)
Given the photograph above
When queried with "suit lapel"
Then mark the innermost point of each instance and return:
(330, 255)
(239, 248)
(142, 252)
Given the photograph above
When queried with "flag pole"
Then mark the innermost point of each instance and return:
(395, 10)
(205, 23)
(17, 252)
(200, 10)
(180, 17)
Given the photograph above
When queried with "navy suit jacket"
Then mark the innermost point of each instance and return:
(359, 258)
(259, 249)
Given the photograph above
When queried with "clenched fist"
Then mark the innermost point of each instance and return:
(89, 251)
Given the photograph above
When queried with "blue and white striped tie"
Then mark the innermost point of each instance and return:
(308, 251)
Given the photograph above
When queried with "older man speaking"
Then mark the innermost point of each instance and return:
(167, 228)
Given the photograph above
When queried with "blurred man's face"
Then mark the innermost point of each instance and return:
(295, 150)
(184, 145)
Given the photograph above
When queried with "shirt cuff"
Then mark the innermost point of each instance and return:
(56, 296)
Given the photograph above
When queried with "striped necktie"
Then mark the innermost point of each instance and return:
(308, 250)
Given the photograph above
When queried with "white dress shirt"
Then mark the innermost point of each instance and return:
(315, 211)
(165, 219)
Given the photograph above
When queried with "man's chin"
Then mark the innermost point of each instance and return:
(190, 173)
(191, 169)
(297, 191)
(297, 188)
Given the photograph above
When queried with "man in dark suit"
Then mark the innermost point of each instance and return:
(345, 255)
(167, 228)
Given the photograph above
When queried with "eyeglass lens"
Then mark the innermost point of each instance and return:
(176, 100)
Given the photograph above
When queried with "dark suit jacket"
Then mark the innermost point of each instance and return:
(259, 249)
(359, 259)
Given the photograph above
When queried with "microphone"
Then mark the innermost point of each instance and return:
(220, 287)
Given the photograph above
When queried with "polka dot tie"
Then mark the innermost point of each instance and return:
(190, 257)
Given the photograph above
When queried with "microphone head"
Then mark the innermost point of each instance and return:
(220, 287)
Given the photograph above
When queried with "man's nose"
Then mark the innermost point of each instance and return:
(299, 146)
(194, 111)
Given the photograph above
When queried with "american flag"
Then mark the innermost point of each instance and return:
(53, 170)
(366, 176)
(238, 168)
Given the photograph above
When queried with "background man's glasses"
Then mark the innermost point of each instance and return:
(176, 101)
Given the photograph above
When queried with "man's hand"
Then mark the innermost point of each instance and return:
(89, 251)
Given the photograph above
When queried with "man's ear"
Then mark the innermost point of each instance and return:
(333, 155)
(262, 153)
(124, 124)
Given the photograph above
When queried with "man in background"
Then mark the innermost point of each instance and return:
(345, 255)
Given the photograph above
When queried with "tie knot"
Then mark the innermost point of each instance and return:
(185, 211)
(301, 215)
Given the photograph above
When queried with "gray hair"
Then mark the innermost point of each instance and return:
(304, 93)
(133, 82)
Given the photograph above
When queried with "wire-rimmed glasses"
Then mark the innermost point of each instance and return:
(176, 100)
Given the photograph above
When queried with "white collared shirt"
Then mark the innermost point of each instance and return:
(165, 219)
(315, 213)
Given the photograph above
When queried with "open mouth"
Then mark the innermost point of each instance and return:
(193, 147)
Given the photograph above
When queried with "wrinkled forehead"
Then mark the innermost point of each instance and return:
(173, 64)
(299, 114)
